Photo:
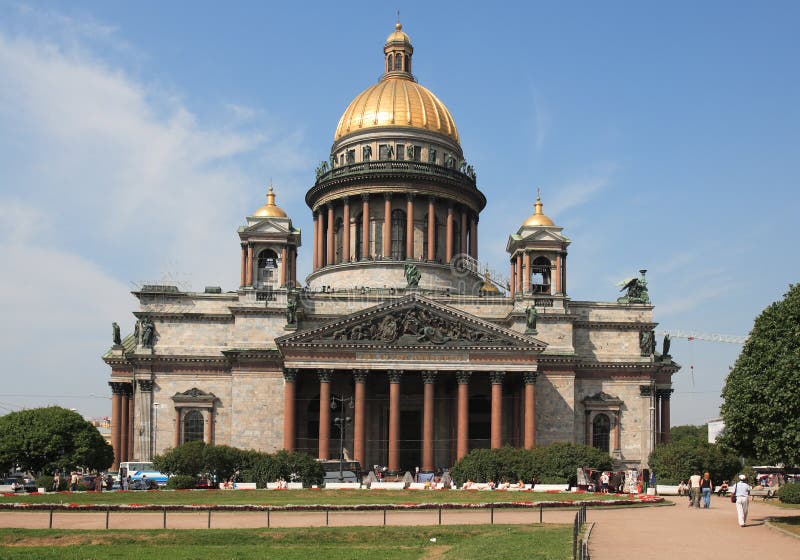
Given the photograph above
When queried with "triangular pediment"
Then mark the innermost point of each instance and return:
(410, 322)
(269, 226)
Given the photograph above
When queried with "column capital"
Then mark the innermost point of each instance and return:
(345, 200)
(146, 385)
(324, 375)
(432, 199)
(117, 387)
(645, 390)
(497, 377)
(387, 196)
(428, 377)
(463, 377)
(664, 393)
(530, 377)
(410, 196)
(290, 374)
(360, 375)
(394, 375)
(365, 197)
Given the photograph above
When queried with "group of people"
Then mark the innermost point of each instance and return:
(97, 483)
(701, 487)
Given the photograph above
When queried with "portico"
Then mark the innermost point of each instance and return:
(421, 374)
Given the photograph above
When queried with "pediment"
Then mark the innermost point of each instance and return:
(194, 395)
(538, 234)
(412, 322)
(268, 226)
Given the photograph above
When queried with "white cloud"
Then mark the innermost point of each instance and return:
(579, 191)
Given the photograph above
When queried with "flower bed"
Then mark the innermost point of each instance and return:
(641, 499)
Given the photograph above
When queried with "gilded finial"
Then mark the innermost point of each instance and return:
(398, 25)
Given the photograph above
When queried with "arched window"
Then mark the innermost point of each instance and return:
(540, 275)
(398, 62)
(389, 63)
(398, 235)
(408, 64)
(601, 428)
(359, 236)
(193, 426)
(267, 263)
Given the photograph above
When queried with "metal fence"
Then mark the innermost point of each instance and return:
(580, 547)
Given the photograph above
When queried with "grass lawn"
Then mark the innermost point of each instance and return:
(297, 497)
(396, 543)
(791, 524)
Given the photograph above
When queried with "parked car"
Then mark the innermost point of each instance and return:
(10, 485)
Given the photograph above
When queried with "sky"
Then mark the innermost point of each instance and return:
(136, 136)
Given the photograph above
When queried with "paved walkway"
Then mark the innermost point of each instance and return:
(680, 532)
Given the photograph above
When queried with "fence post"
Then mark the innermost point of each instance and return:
(268, 519)
(107, 514)
(491, 515)
(440, 515)
(51, 519)
(326, 517)
(540, 514)
(384, 517)
(165, 517)
(209, 518)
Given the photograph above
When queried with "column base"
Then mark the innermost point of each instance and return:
(290, 327)
(531, 331)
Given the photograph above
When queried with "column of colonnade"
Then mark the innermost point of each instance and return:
(324, 218)
(288, 265)
(121, 421)
(429, 378)
(663, 416)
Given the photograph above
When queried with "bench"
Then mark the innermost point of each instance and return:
(551, 488)
(763, 493)
(287, 486)
(239, 486)
(342, 485)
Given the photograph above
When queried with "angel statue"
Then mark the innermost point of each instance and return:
(413, 275)
(636, 290)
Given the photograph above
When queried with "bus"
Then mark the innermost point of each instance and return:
(138, 469)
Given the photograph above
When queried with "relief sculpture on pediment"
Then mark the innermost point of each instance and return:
(413, 326)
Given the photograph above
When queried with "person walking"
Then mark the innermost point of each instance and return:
(694, 488)
(73, 482)
(56, 481)
(741, 495)
(706, 487)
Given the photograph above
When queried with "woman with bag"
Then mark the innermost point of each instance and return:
(741, 497)
(706, 487)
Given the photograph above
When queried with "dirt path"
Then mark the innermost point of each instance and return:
(681, 532)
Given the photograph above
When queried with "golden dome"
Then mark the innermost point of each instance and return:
(397, 100)
(398, 35)
(538, 218)
(269, 210)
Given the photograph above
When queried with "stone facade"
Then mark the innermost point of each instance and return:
(455, 361)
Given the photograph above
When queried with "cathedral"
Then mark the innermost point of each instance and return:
(398, 346)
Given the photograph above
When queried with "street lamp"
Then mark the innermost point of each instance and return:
(341, 422)
(156, 406)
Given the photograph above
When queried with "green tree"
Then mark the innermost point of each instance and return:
(680, 433)
(761, 407)
(46, 439)
(185, 459)
(676, 461)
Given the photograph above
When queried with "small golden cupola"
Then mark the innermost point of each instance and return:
(270, 210)
(538, 218)
(398, 51)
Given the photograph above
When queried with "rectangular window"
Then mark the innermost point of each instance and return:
(417, 152)
(351, 157)
(401, 152)
(383, 152)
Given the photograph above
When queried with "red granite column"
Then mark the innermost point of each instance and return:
(324, 412)
(462, 429)
(176, 437)
(512, 284)
(431, 230)
(346, 230)
(244, 266)
(387, 226)
(665, 419)
(526, 272)
(497, 408)
(123, 425)
(315, 259)
(530, 409)
(464, 229)
(289, 376)
(558, 273)
(657, 416)
(116, 416)
(564, 274)
(130, 425)
(410, 226)
(249, 266)
(284, 265)
(359, 422)
(331, 225)
(448, 254)
(394, 420)
(428, 379)
(365, 252)
(473, 237)
(519, 273)
(320, 239)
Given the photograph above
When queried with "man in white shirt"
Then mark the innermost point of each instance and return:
(742, 492)
(694, 488)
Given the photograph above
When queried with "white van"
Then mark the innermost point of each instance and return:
(138, 469)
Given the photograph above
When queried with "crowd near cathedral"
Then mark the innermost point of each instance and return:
(397, 318)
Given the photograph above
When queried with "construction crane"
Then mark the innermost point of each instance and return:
(707, 337)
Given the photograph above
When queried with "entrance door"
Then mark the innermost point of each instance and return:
(410, 440)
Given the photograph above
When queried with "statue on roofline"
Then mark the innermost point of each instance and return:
(636, 290)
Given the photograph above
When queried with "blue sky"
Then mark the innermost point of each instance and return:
(135, 137)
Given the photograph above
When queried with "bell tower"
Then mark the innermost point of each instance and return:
(538, 258)
(398, 51)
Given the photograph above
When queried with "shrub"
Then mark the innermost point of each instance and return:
(790, 493)
(180, 482)
(262, 468)
(678, 461)
(221, 461)
(46, 482)
(184, 459)
(564, 459)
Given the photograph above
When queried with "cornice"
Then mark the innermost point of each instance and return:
(615, 325)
